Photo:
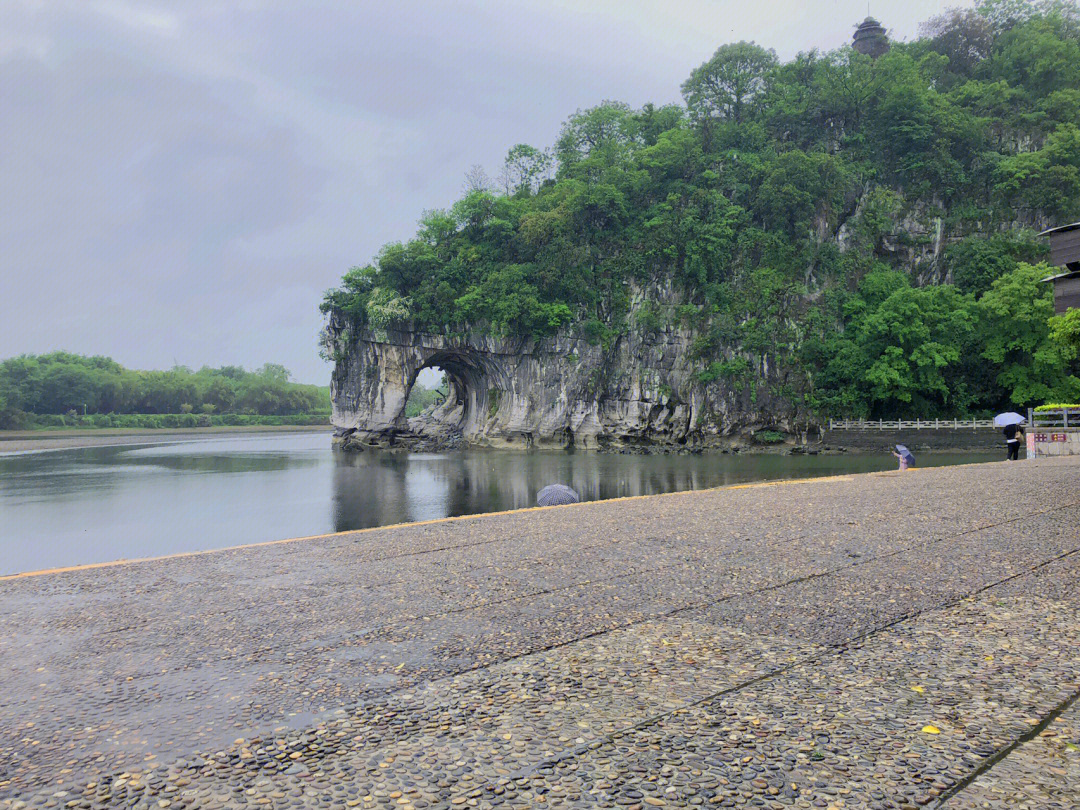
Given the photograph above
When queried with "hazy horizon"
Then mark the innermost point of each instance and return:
(182, 184)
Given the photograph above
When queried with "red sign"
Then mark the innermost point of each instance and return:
(1058, 437)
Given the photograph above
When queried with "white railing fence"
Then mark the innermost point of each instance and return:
(1059, 418)
(911, 424)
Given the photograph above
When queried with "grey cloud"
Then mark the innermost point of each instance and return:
(183, 180)
(126, 188)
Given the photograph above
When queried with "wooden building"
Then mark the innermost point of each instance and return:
(1065, 253)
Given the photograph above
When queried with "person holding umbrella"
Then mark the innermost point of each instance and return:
(905, 456)
(1012, 423)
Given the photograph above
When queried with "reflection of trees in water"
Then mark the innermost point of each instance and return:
(231, 463)
(104, 468)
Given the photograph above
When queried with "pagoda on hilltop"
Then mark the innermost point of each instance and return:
(870, 38)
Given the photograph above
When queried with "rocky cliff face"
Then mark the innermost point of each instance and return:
(642, 391)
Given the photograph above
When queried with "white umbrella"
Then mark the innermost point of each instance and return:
(1010, 418)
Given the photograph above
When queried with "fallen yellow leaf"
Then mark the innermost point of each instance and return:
(918, 689)
(931, 729)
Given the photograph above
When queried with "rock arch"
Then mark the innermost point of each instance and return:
(370, 398)
(471, 378)
(564, 391)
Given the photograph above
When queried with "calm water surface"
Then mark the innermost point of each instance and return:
(70, 507)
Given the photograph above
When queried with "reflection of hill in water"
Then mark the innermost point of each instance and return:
(376, 489)
(373, 489)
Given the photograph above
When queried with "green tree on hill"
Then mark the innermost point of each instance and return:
(729, 85)
(1033, 367)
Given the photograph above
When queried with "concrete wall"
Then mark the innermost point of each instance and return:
(1053, 442)
(943, 439)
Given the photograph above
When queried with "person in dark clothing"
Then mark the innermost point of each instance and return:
(1012, 441)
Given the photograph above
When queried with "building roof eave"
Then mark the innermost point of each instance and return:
(1060, 228)
(1070, 274)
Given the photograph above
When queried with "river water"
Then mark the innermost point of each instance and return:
(72, 507)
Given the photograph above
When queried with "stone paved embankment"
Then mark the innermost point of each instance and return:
(879, 641)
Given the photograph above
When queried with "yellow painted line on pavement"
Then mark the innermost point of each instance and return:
(182, 554)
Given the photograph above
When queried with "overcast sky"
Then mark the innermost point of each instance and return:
(181, 181)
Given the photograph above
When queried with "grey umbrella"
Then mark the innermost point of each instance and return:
(556, 495)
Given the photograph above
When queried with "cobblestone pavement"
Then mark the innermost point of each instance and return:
(877, 641)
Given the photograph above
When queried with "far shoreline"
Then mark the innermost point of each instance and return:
(24, 441)
(53, 439)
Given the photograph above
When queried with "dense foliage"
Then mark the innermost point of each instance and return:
(870, 223)
(62, 383)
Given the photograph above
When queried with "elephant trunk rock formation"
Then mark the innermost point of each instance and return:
(643, 391)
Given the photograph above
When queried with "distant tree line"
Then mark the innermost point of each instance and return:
(62, 383)
(421, 398)
(867, 224)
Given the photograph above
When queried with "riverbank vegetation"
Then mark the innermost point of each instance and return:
(868, 224)
(161, 421)
(68, 390)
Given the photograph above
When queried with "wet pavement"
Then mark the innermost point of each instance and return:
(874, 641)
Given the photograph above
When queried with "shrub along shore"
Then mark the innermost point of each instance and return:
(168, 421)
